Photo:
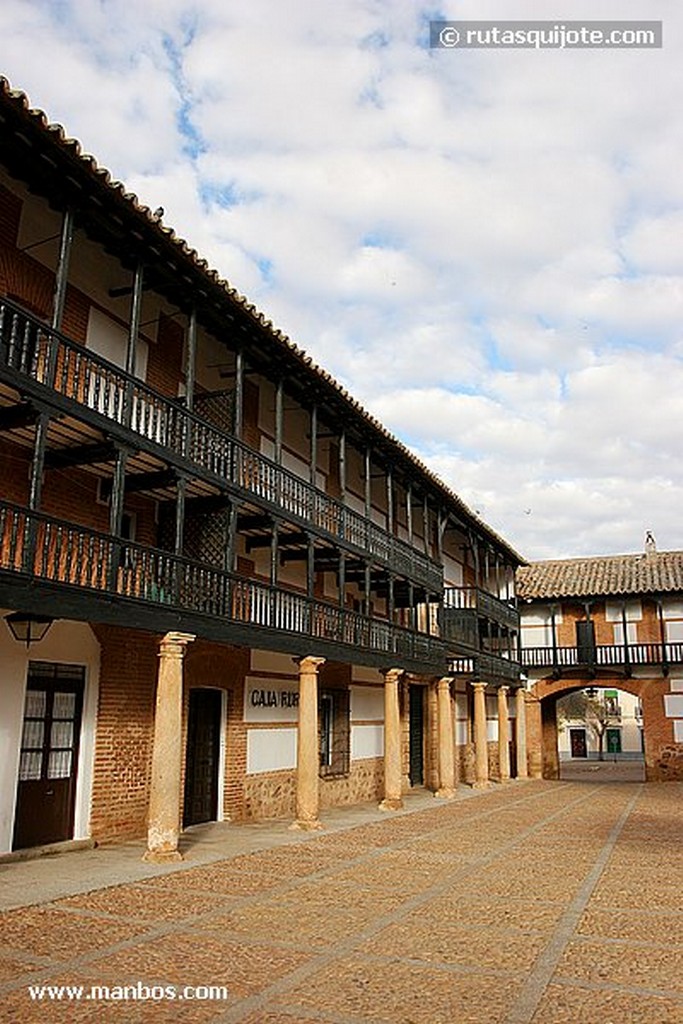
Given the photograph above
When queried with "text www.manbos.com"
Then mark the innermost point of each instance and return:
(127, 993)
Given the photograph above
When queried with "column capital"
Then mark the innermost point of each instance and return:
(174, 644)
(478, 684)
(392, 675)
(309, 663)
(504, 688)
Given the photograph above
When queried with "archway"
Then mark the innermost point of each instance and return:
(543, 727)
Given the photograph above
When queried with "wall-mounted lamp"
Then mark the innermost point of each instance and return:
(27, 628)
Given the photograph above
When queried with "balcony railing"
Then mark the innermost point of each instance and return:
(50, 550)
(620, 656)
(490, 668)
(32, 350)
(475, 601)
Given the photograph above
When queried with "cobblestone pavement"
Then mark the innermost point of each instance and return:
(543, 902)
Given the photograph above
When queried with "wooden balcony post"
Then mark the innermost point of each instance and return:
(314, 446)
(446, 740)
(62, 272)
(307, 753)
(392, 742)
(503, 734)
(239, 394)
(165, 791)
(520, 738)
(481, 744)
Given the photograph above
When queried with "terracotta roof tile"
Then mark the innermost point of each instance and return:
(619, 575)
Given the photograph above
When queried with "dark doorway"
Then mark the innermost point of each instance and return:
(48, 761)
(577, 739)
(416, 701)
(202, 756)
(585, 642)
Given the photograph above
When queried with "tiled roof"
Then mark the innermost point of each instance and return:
(178, 248)
(609, 575)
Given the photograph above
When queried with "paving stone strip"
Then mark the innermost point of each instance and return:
(529, 998)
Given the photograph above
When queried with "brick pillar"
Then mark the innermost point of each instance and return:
(520, 738)
(481, 742)
(446, 740)
(165, 792)
(307, 754)
(503, 734)
(392, 742)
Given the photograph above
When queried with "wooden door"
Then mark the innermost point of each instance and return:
(577, 739)
(202, 758)
(48, 761)
(416, 700)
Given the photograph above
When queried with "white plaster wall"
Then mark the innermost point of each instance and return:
(68, 643)
(270, 750)
(367, 741)
(367, 704)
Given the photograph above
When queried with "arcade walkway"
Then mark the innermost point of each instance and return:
(543, 902)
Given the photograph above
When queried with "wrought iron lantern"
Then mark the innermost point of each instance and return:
(28, 628)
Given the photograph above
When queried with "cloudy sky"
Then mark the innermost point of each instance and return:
(485, 247)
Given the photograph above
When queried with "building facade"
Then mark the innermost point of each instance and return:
(228, 591)
(613, 625)
(611, 727)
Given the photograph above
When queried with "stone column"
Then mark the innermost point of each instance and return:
(503, 734)
(446, 740)
(534, 736)
(404, 714)
(307, 753)
(520, 738)
(392, 743)
(165, 793)
(432, 767)
(481, 743)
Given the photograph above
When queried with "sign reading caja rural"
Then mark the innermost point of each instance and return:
(270, 702)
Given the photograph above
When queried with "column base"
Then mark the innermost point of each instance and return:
(481, 784)
(505, 782)
(390, 804)
(445, 793)
(162, 856)
(306, 826)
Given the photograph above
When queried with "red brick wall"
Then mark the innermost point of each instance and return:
(123, 748)
(164, 363)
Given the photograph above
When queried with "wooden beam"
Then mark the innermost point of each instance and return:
(80, 455)
(14, 417)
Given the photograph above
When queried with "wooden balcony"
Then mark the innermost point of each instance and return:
(48, 565)
(621, 657)
(43, 364)
(462, 605)
(489, 668)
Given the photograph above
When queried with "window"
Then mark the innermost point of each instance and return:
(335, 732)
